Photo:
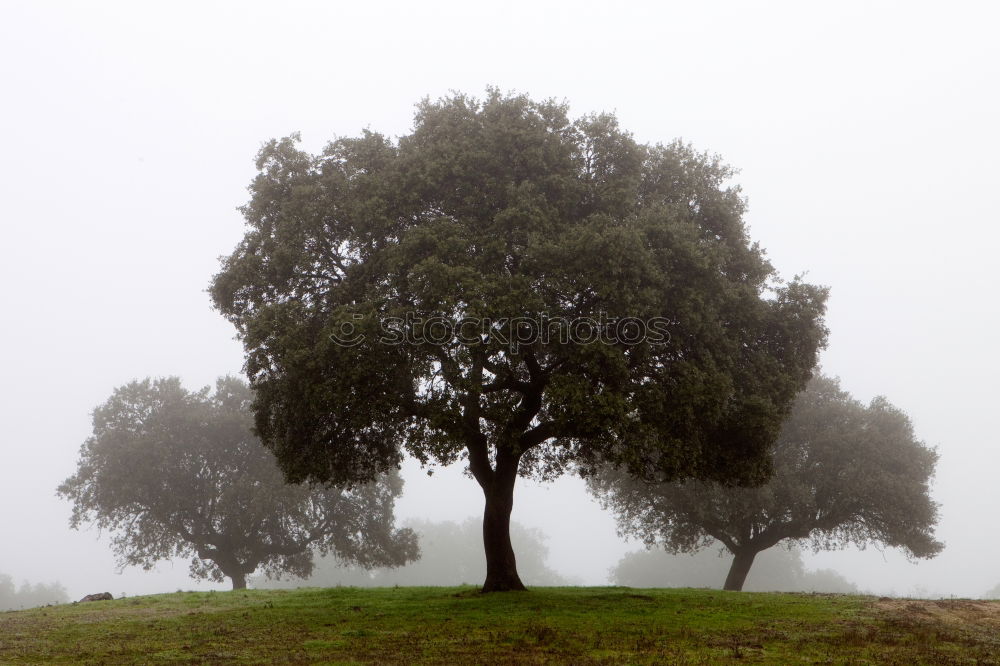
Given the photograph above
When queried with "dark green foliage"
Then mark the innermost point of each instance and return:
(843, 473)
(775, 570)
(450, 554)
(506, 210)
(177, 474)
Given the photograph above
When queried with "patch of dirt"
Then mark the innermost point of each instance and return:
(946, 611)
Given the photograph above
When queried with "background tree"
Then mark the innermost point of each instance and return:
(177, 474)
(504, 211)
(450, 554)
(774, 570)
(29, 595)
(843, 473)
(993, 592)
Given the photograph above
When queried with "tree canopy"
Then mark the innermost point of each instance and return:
(844, 473)
(513, 288)
(173, 473)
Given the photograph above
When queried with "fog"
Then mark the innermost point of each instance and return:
(866, 135)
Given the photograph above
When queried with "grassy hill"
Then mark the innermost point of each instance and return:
(458, 625)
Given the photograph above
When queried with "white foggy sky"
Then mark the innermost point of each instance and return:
(866, 134)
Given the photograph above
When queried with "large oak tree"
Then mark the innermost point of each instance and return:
(390, 295)
(173, 473)
(844, 472)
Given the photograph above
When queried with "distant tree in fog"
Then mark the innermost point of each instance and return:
(843, 473)
(993, 592)
(171, 473)
(450, 554)
(28, 595)
(775, 570)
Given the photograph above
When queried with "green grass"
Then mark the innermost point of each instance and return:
(461, 626)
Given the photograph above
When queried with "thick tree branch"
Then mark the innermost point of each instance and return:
(538, 435)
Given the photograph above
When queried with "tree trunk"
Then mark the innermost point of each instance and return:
(501, 567)
(742, 561)
(239, 581)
